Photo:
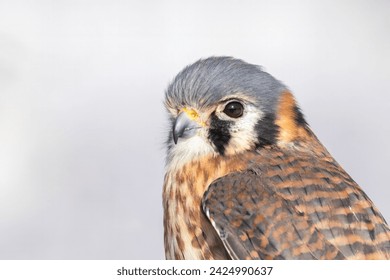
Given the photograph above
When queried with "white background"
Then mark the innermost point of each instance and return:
(82, 125)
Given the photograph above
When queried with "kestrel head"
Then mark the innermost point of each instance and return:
(225, 106)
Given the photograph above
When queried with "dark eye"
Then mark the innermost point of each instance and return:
(234, 109)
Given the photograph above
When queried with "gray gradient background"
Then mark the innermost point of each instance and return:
(82, 126)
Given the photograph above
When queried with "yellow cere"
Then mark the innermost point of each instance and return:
(193, 115)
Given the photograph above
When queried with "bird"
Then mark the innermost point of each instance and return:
(247, 178)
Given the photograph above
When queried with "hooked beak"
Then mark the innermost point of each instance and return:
(184, 126)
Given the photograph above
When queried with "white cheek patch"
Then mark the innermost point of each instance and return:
(243, 131)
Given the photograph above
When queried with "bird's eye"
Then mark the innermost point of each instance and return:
(234, 109)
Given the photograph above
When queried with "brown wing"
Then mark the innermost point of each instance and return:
(295, 207)
(254, 222)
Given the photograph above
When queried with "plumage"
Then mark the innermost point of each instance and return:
(246, 178)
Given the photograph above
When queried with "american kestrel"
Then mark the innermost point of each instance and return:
(246, 178)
